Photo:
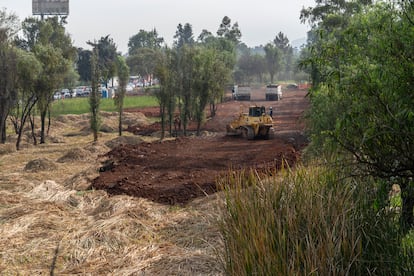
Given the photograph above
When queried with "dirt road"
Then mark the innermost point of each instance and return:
(177, 171)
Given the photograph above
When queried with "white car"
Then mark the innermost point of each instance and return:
(129, 88)
(57, 96)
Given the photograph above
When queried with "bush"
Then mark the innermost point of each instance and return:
(311, 221)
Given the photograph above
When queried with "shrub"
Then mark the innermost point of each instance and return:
(310, 221)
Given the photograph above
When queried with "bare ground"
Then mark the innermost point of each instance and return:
(153, 211)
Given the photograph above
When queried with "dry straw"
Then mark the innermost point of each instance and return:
(50, 223)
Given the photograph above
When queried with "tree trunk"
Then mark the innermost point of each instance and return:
(170, 122)
(95, 136)
(162, 114)
(272, 76)
(49, 121)
(120, 123)
(3, 134)
(3, 117)
(32, 125)
(213, 109)
(15, 122)
(198, 127)
(25, 113)
(42, 126)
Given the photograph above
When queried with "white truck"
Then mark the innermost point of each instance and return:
(241, 93)
(273, 92)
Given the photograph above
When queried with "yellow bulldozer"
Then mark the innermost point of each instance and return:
(257, 123)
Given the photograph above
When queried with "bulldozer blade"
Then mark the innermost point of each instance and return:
(233, 132)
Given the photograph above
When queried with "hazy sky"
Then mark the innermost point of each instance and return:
(259, 20)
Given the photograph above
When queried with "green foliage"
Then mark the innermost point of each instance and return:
(9, 24)
(166, 94)
(144, 39)
(29, 71)
(362, 101)
(107, 57)
(184, 35)
(308, 221)
(207, 68)
(249, 66)
(276, 58)
(229, 31)
(53, 48)
(273, 60)
(144, 51)
(123, 76)
(8, 80)
(83, 64)
(194, 76)
(143, 61)
(54, 69)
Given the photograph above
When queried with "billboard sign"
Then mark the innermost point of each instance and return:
(50, 7)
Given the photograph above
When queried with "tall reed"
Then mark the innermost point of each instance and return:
(311, 220)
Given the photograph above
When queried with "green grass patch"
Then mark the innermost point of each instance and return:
(81, 105)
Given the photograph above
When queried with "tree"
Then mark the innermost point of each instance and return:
(143, 61)
(9, 24)
(8, 68)
(251, 66)
(55, 67)
(8, 81)
(273, 60)
(184, 35)
(210, 77)
(71, 77)
(29, 71)
(144, 39)
(95, 97)
(185, 51)
(228, 31)
(144, 52)
(362, 104)
(204, 36)
(84, 64)
(166, 74)
(52, 46)
(330, 14)
(107, 58)
(282, 43)
(123, 76)
(225, 52)
(185, 82)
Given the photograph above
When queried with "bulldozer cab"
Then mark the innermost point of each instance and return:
(257, 111)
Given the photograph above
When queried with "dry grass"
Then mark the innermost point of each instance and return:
(51, 222)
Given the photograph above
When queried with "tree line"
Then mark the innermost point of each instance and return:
(360, 58)
(193, 72)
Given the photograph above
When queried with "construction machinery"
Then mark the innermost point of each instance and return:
(241, 93)
(273, 92)
(256, 123)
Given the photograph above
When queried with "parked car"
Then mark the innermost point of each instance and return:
(292, 86)
(129, 88)
(57, 95)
